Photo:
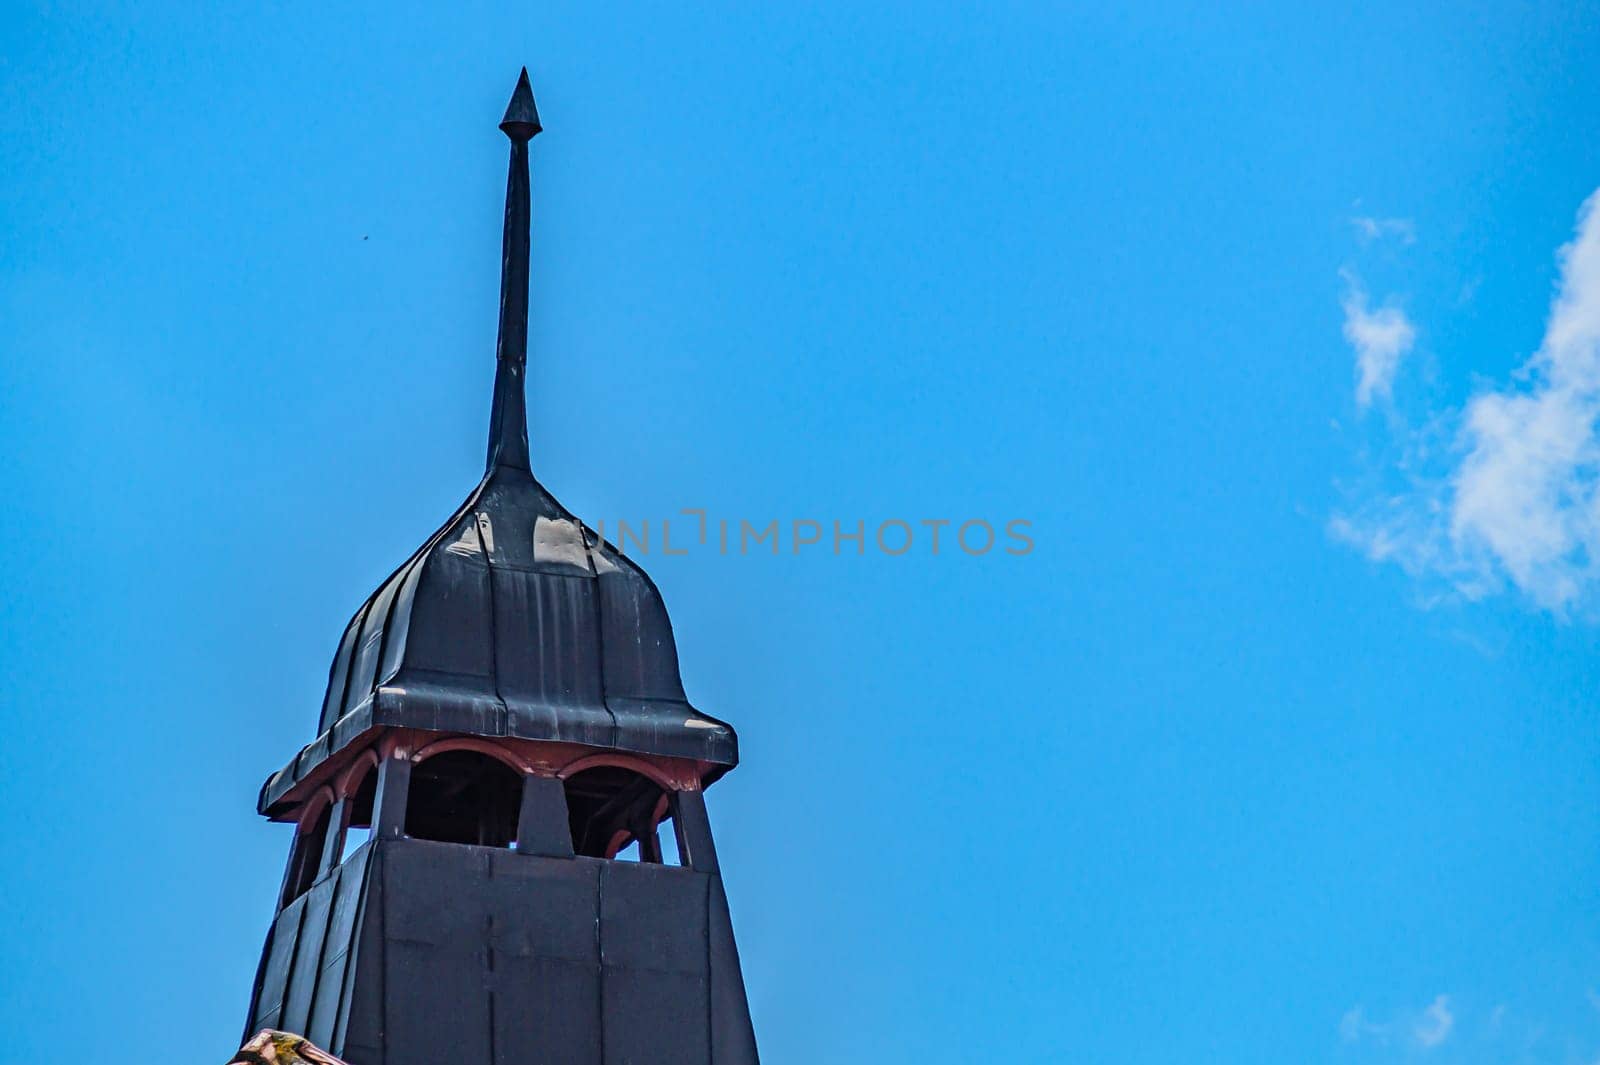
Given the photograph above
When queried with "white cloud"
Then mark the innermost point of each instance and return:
(1371, 229)
(1435, 1024)
(1425, 1029)
(1514, 492)
(1381, 338)
(1354, 1027)
(1527, 493)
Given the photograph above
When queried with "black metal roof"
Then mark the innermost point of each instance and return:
(513, 619)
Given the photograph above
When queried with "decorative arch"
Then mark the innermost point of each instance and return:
(613, 801)
(471, 743)
(357, 789)
(321, 799)
(355, 775)
(642, 766)
(310, 839)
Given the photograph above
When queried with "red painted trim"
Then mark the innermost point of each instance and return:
(545, 758)
(621, 761)
(350, 781)
(619, 839)
(472, 743)
(312, 810)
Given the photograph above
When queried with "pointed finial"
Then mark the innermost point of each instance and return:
(508, 419)
(522, 116)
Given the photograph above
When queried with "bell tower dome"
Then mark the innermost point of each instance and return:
(504, 720)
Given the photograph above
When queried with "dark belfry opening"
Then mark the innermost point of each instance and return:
(611, 809)
(464, 797)
(306, 857)
(358, 828)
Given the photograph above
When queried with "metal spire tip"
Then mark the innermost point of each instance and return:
(522, 116)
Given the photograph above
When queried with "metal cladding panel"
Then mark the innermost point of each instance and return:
(433, 892)
(347, 901)
(590, 724)
(358, 1037)
(307, 958)
(523, 527)
(695, 845)
(656, 979)
(311, 946)
(338, 949)
(546, 1011)
(733, 1037)
(339, 672)
(436, 952)
(514, 619)
(314, 753)
(274, 786)
(351, 725)
(451, 626)
(641, 659)
(325, 1002)
(443, 704)
(672, 728)
(364, 666)
(267, 1010)
(436, 1008)
(394, 641)
(508, 507)
(653, 917)
(655, 1018)
(435, 979)
(561, 545)
(560, 924)
(546, 956)
(542, 822)
(546, 656)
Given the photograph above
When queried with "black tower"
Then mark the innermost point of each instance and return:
(504, 716)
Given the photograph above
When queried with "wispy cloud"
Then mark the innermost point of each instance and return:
(1371, 229)
(1380, 338)
(1562, 1029)
(1424, 1029)
(1507, 488)
(1355, 1026)
(1435, 1024)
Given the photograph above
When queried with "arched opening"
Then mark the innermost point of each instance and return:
(617, 813)
(358, 826)
(464, 797)
(306, 857)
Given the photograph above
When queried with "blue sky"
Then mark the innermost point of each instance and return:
(1279, 746)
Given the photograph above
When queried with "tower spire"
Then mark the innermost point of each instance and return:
(508, 419)
(514, 683)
